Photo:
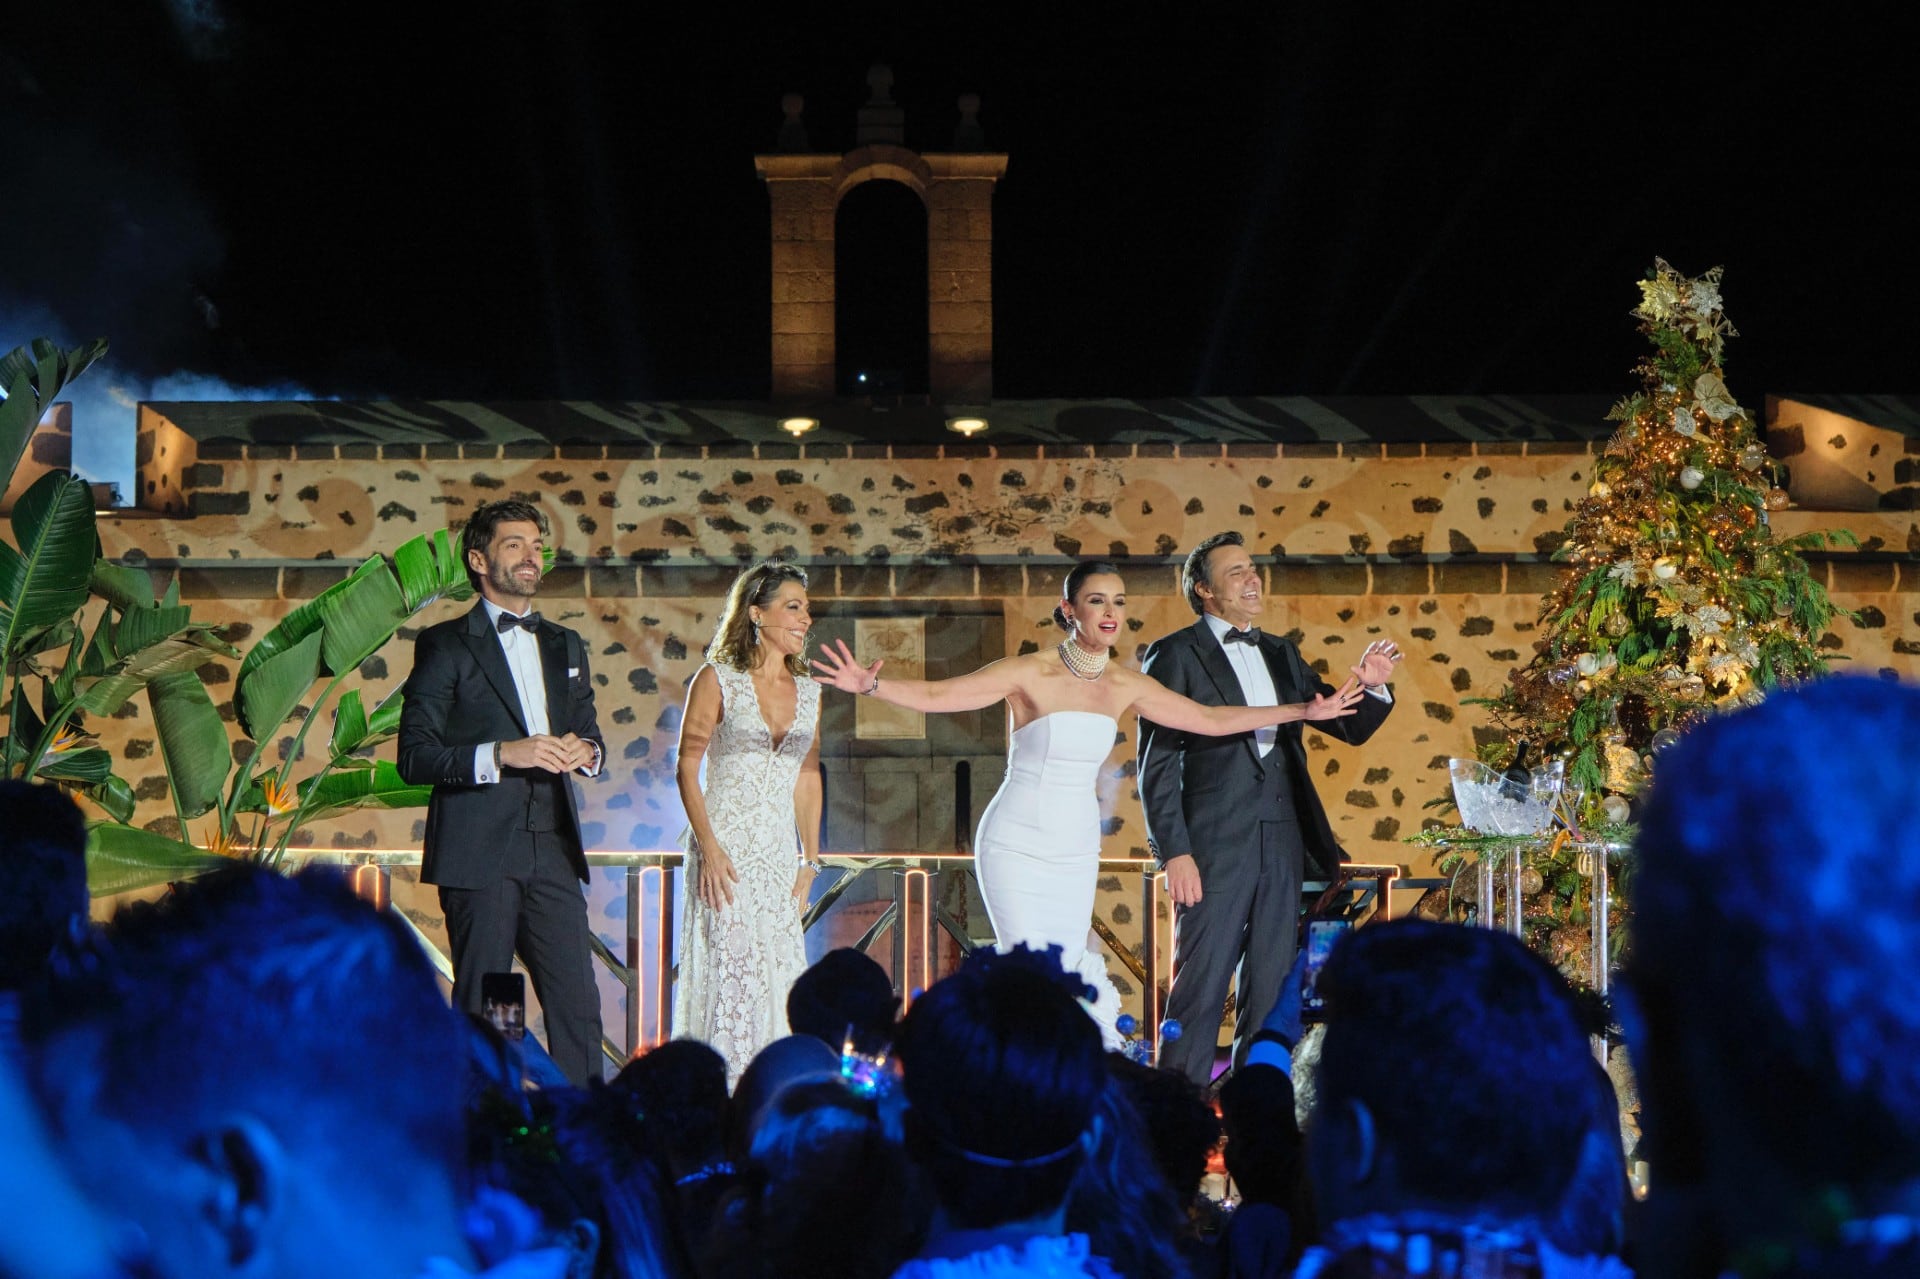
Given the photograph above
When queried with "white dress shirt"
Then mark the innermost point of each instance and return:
(1256, 680)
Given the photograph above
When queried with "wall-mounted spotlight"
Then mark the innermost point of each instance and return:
(798, 426)
(967, 426)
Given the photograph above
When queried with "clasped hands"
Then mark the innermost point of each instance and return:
(545, 751)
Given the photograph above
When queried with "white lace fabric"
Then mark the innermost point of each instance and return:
(737, 963)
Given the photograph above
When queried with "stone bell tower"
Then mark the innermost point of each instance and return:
(805, 189)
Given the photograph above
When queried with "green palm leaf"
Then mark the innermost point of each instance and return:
(193, 740)
(356, 621)
(376, 787)
(268, 694)
(124, 588)
(303, 621)
(88, 764)
(349, 723)
(121, 859)
(32, 376)
(385, 720)
(108, 693)
(429, 568)
(44, 581)
(113, 795)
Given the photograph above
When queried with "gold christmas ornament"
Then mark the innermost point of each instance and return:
(1777, 499)
(1600, 488)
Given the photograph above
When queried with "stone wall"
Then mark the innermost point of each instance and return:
(1439, 546)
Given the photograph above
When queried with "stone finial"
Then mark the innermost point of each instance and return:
(969, 136)
(881, 120)
(793, 132)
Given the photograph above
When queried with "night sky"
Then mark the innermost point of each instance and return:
(558, 199)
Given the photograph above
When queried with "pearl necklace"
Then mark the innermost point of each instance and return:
(1082, 664)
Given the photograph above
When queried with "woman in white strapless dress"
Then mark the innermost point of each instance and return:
(1037, 851)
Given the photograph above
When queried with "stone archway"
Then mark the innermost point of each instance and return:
(804, 191)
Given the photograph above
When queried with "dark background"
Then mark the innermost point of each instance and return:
(558, 200)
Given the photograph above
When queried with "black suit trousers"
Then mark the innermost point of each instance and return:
(1249, 914)
(537, 908)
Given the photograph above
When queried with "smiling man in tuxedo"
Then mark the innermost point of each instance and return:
(1234, 820)
(498, 716)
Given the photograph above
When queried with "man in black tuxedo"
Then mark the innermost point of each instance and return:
(498, 714)
(1235, 820)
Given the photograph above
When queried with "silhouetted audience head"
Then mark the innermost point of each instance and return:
(680, 1090)
(1592, 1219)
(43, 878)
(260, 1073)
(847, 990)
(1003, 1071)
(1263, 1136)
(1180, 1125)
(585, 1165)
(1122, 1203)
(1776, 1023)
(822, 1192)
(1430, 1029)
(1264, 1159)
(791, 1060)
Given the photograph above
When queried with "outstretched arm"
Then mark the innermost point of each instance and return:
(1165, 707)
(836, 667)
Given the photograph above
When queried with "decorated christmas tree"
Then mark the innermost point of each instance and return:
(1676, 599)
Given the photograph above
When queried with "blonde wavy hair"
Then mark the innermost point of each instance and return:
(734, 643)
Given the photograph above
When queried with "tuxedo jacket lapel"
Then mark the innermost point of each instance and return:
(484, 644)
(553, 673)
(1213, 660)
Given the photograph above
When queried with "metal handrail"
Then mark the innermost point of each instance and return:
(653, 965)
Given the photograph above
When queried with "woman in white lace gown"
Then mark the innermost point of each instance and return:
(753, 832)
(1037, 851)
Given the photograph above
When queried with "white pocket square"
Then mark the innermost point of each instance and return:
(573, 672)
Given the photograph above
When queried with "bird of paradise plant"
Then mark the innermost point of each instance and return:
(143, 641)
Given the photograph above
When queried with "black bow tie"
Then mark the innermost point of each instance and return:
(1249, 636)
(507, 621)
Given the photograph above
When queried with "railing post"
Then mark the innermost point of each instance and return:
(664, 978)
(1150, 949)
(631, 978)
(912, 932)
(372, 884)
